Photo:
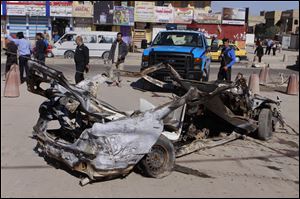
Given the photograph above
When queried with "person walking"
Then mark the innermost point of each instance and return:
(269, 46)
(117, 54)
(227, 61)
(25, 49)
(11, 53)
(259, 51)
(40, 48)
(81, 59)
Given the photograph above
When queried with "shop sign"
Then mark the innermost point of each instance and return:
(183, 15)
(200, 16)
(123, 16)
(60, 8)
(82, 10)
(23, 8)
(144, 11)
(164, 14)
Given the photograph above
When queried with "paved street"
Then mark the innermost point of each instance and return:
(238, 169)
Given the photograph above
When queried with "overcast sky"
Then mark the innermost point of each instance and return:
(255, 6)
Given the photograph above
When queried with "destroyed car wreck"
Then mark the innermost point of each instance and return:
(94, 137)
(101, 141)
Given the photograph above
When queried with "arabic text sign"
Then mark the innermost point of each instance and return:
(234, 16)
(61, 8)
(22, 8)
(202, 17)
(123, 16)
(144, 11)
(183, 15)
(82, 10)
(164, 14)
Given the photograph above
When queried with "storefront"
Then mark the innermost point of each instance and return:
(61, 17)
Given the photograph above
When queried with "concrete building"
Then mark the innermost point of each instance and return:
(289, 22)
(253, 21)
(272, 18)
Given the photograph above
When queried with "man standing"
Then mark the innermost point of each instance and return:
(117, 56)
(227, 60)
(269, 46)
(12, 50)
(81, 59)
(25, 49)
(259, 51)
(40, 48)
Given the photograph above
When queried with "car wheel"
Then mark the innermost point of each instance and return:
(69, 55)
(237, 59)
(159, 162)
(49, 55)
(105, 55)
(265, 124)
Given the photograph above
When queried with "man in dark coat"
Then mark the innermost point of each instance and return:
(81, 59)
(117, 54)
(259, 51)
(12, 58)
(40, 48)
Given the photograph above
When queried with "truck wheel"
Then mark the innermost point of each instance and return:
(159, 162)
(69, 54)
(265, 129)
(105, 55)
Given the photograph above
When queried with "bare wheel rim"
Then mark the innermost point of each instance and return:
(157, 159)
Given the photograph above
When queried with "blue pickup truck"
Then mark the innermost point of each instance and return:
(187, 51)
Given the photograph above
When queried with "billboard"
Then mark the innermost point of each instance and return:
(234, 16)
(183, 15)
(82, 9)
(23, 8)
(103, 12)
(164, 14)
(144, 11)
(203, 17)
(123, 16)
(60, 8)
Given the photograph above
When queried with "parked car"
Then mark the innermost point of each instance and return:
(240, 54)
(98, 42)
(186, 50)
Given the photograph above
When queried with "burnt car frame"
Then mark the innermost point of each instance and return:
(94, 137)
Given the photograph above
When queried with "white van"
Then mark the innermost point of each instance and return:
(98, 42)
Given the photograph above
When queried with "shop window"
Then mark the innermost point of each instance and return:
(106, 39)
(68, 37)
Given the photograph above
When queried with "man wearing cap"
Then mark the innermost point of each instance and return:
(227, 60)
(25, 49)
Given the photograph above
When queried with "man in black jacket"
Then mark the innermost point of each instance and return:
(40, 48)
(117, 56)
(81, 59)
(12, 58)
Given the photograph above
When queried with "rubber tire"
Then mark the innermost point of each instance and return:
(49, 55)
(168, 163)
(265, 126)
(105, 55)
(69, 54)
(237, 59)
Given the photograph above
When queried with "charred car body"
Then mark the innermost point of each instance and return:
(101, 141)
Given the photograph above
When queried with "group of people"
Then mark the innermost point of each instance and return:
(20, 49)
(271, 45)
